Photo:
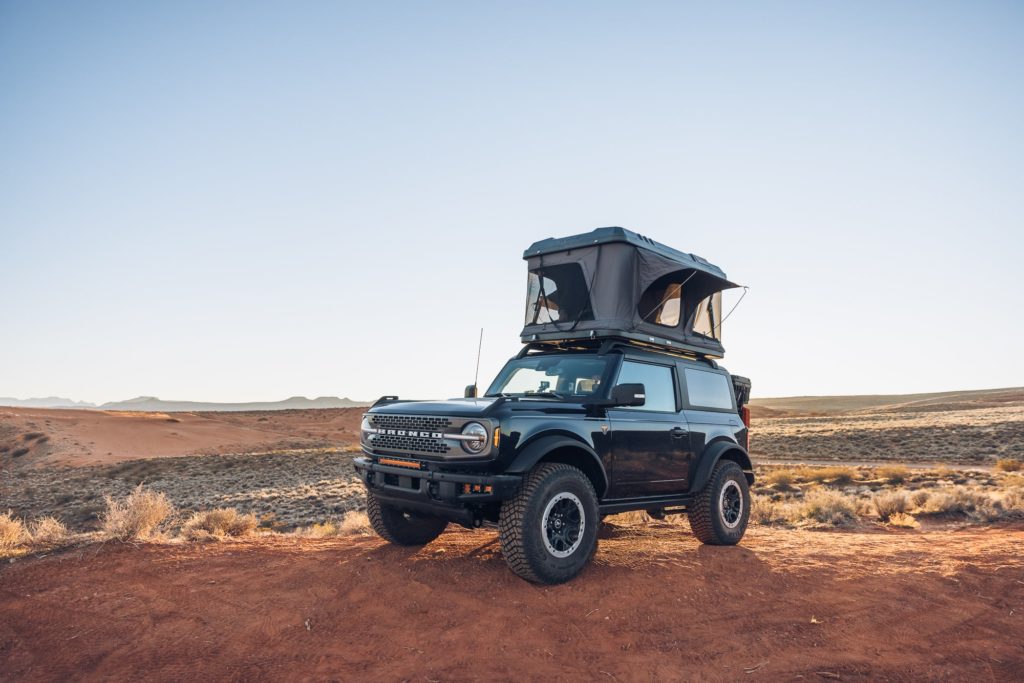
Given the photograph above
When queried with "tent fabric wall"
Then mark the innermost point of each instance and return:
(618, 268)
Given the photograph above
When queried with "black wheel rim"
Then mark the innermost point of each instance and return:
(731, 503)
(563, 525)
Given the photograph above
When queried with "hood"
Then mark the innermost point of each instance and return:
(455, 407)
(479, 407)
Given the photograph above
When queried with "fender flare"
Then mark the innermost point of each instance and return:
(535, 451)
(715, 452)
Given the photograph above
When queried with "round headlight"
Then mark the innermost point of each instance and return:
(479, 441)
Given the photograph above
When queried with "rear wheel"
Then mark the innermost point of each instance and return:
(720, 512)
(400, 527)
(549, 529)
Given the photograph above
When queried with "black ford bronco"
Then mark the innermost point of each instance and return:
(596, 415)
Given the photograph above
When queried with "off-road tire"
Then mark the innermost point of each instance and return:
(708, 519)
(522, 518)
(401, 528)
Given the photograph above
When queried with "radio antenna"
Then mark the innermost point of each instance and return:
(479, 348)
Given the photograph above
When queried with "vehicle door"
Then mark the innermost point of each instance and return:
(650, 444)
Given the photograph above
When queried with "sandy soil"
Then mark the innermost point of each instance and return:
(654, 605)
(47, 437)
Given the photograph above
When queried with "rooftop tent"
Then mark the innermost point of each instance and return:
(612, 282)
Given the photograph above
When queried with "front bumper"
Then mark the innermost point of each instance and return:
(445, 494)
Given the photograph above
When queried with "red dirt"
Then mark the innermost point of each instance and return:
(98, 437)
(654, 605)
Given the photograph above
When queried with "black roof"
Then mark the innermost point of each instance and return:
(616, 234)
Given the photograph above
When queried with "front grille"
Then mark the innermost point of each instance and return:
(411, 436)
(419, 444)
(417, 422)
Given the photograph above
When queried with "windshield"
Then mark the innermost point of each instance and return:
(552, 376)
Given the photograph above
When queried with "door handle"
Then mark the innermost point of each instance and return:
(679, 432)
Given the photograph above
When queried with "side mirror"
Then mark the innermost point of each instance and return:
(470, 391)
(628, 395)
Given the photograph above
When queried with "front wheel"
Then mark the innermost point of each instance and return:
(719, 514)
(399, 527)
(549, 528)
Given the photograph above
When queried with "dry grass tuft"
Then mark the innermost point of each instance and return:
(828, 507)
(48, 531)
(218, 524)
(12, 532)
(894, 474)
(903, 520)
(137, 516)
(1009, 465)
(839, 476)
(919, 497)
(770, 512)
(318, 530)
(780, 478)
(355, 523)
(890, 503)
(961, 500)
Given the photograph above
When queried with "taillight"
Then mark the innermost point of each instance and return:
(745, 415)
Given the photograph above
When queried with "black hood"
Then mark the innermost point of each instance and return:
(455, 407)
(477, 407)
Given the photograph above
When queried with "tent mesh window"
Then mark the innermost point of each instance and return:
(662, 303)
(557, 294)
(707, 320)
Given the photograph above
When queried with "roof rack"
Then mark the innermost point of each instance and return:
(608, 345)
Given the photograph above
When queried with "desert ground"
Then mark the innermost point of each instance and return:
(654, 605)
(885, 544)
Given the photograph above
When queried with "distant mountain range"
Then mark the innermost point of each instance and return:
(48, 402)
(153, 404)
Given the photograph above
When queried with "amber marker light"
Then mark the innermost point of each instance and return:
(400, 463)
(497, 436)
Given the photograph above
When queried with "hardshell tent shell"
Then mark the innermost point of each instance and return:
(614, 283)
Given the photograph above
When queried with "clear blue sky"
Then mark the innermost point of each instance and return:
(247, 201)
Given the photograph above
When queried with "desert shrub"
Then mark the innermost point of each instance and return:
(355, 523)
(764, 510)
(963, 501)
(137, 516)
(12, 532)
(219, 523)
(1012, 500)
(839, 476)
(894, 474)
(318, 530)
(48, 531)
(889, 503)
(781, 478)
(828, 507)
(1009, 465)
(919, 498)
(902, 519)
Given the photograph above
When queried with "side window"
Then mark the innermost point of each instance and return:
(658, 385)
(708, 389)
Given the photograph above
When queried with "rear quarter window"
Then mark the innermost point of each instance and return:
(708, 389)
